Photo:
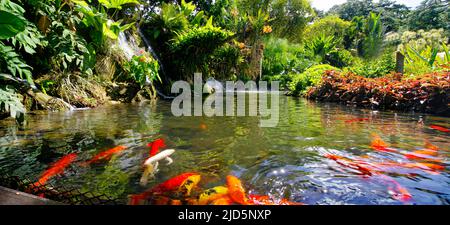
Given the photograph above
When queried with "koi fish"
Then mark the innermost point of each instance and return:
(379, 145)
(226, 200)
(56, 168)
(212, 194)
(203, 126)
(155, 146)
(236, 191)
(357, 120)
(439, 128)
(151, 164)
(189, 184)
(397, 192)
(364, 169)
(171, 185)
(424, 166)
(105, 155)
(426, 154)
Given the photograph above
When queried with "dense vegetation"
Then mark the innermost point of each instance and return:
(56, 54)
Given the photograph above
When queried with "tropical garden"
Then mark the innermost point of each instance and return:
(338, 70)
(56, 54)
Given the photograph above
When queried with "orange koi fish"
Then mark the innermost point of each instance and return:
(203, 126)
(424, 166)
(56, 168)
(425, 154)
(235, 190)
(439, 128)
(155, 146)
(379, 145)
(364, 169)
(226, 200)
(183, 182)
(105, 155)
(357, 120)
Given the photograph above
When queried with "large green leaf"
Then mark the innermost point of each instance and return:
(10, 25)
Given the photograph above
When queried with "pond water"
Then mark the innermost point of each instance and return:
(286, 161)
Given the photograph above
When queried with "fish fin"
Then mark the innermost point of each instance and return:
(169, 160)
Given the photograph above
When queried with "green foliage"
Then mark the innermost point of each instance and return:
(431, 14)
(193, 48)
(340, 58)
(371, 44)
(394, 15)
(10, 25)
(12, 62)
(143, 68)
(378, 67)
(10, 102)
(116, 4)
(290, 17)
(283, 57)
(311, 77)
(321, 46)
(330, 25)
(224, 62)
(425, 61)
(103, 26)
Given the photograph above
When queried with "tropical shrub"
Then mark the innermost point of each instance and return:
(321, 46)
(330, 25)
(311, 77)
(143, 69)
(340, 58)
(427, 60)
(377, 67)
(427, 93)
(283, 57)
(191, 50)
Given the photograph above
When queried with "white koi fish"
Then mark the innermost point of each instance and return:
(151, 164)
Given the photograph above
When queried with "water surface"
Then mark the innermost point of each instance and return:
(286, 161)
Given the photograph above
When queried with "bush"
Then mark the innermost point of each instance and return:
(311, 77)
(428, 93)
(340, 58)
(143, 68)
(330, 25)
(282, 58)
(378, 67)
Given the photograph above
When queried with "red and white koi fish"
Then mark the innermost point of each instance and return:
(56, 168)
(155, 146)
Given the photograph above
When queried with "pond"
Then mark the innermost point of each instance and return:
(287, 161)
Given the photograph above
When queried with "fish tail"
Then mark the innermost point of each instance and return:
(147, 172)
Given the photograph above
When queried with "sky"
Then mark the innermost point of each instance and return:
(327, 4)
